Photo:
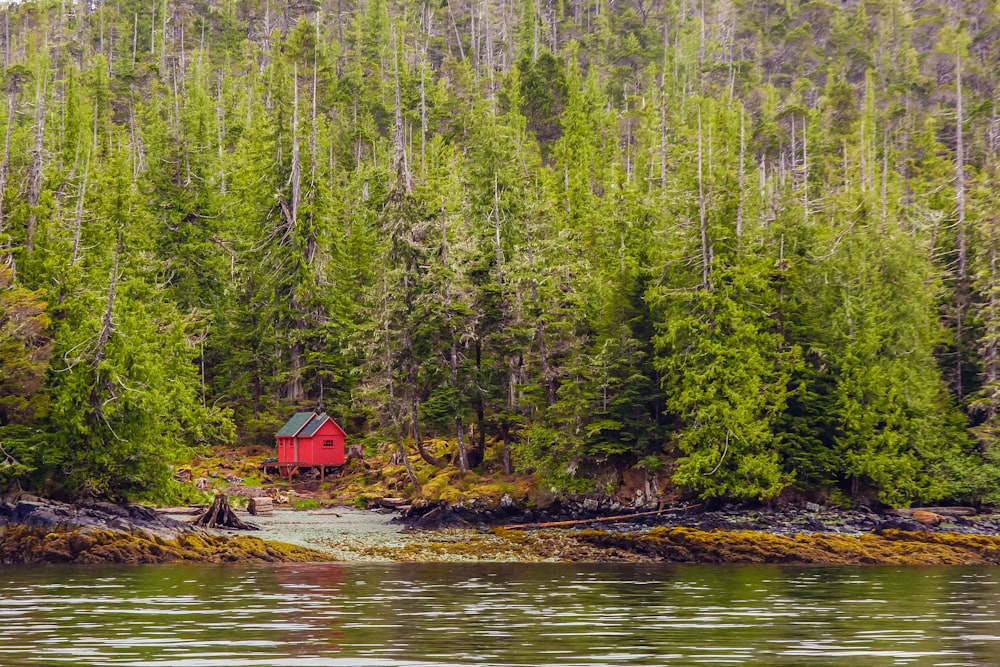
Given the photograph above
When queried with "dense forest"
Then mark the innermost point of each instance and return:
(748, 244)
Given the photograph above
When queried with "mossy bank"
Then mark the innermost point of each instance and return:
(692, 545)
(23, 544)
(38, 530)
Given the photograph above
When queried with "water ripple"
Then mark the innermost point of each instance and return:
(498, 615)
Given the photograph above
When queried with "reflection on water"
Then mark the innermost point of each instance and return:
(498, 614)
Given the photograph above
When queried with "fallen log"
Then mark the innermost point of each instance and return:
(619, 517)
(191, 509)
(221, 515)
(392, 503)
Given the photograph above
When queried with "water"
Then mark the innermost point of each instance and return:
(417, 615)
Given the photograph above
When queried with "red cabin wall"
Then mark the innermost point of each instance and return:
(331, 456)
(311, 449)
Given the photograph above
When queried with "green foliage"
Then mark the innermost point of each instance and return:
(305, 504)
(726, 373)
(25, 350)
(745, 255)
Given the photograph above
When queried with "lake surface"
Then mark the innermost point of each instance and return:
(388, 615)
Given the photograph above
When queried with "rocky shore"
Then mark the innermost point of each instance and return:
(808, 534)
(36, 530)
(781, 520)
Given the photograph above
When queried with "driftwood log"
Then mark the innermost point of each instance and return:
(221, 515)
(619, 517)
(943, 511)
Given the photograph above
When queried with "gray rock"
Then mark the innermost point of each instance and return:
(53, 515)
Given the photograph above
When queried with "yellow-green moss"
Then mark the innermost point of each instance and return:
(892, 547)
(20, 544)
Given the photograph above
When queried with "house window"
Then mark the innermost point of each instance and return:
(328, 443)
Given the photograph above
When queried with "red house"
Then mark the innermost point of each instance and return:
(310, 439)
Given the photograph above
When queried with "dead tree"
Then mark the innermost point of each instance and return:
(221, 515)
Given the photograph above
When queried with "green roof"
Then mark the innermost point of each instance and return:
(314, 425)
(295, 424)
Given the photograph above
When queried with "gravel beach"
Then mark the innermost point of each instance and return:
(345, 532)
(350, 534)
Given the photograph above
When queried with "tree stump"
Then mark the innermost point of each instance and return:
(258, 506)
(221, 515)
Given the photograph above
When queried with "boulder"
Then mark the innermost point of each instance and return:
(928, 518)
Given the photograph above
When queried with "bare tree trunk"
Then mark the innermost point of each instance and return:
(295, 179)
(454, 25)
(399, 131)
(480, 403)
(414, 409)
(406, 464)
(863, 177)
(741, 176)
(991, 364)
(959, 227)
(706, 250)
(424, 454)
(463, 452)
(35, 175)
(805, 171)
(220, 132)
(393, 411)
(78, 223)
(295, 388)
(885, 182)
(991, 336)
(107, 328)
(512, 377)
(313, 160)
(163, 46)
(139, 162)
(5, 165)
(463, 455)
(152, 37)
(423, 119)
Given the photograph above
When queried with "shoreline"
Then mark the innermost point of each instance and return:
(352, 535)
(35, 530)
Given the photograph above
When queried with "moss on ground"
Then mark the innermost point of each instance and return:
(363, 483)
